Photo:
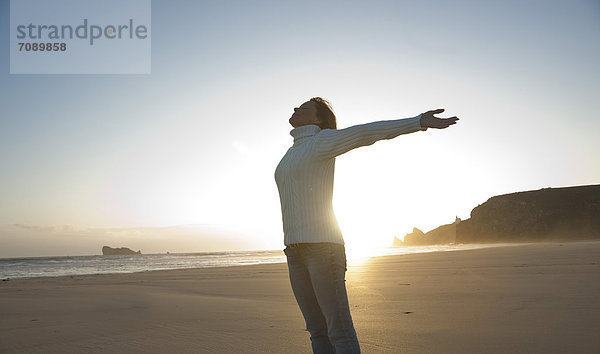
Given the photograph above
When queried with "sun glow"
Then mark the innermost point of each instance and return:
(371, 214)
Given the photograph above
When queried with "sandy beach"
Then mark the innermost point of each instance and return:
(542, 298)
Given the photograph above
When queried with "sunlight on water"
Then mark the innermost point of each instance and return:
(81, 265)
(359, 255)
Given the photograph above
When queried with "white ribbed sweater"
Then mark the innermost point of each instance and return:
(304, 176)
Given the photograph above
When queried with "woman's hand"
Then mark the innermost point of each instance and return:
(429, 121)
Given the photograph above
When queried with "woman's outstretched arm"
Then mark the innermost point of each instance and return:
(333, 142)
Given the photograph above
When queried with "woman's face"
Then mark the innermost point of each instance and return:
(305, 114)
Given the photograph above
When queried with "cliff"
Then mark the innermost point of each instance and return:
(570, 213)
(549, 214)
(109, 251)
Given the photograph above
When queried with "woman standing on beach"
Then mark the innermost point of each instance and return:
(315, 247)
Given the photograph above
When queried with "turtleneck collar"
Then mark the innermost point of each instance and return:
(304, 131)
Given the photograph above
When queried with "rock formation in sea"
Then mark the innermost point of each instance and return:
(548, 214)
(109, 251)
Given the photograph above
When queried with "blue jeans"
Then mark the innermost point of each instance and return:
(317, 275)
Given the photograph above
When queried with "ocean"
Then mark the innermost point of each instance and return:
(29, 267)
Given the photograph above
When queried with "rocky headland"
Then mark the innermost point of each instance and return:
(548, 214)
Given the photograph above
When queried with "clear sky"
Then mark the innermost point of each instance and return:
(128, 160)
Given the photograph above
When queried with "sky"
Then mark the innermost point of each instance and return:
(182, 159)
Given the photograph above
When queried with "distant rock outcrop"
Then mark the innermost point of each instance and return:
(561, 214)
(444, 234)
(109, 251)
(410, 239)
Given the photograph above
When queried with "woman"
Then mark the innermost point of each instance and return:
(314, 244)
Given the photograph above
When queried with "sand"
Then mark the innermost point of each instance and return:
(539, 298)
